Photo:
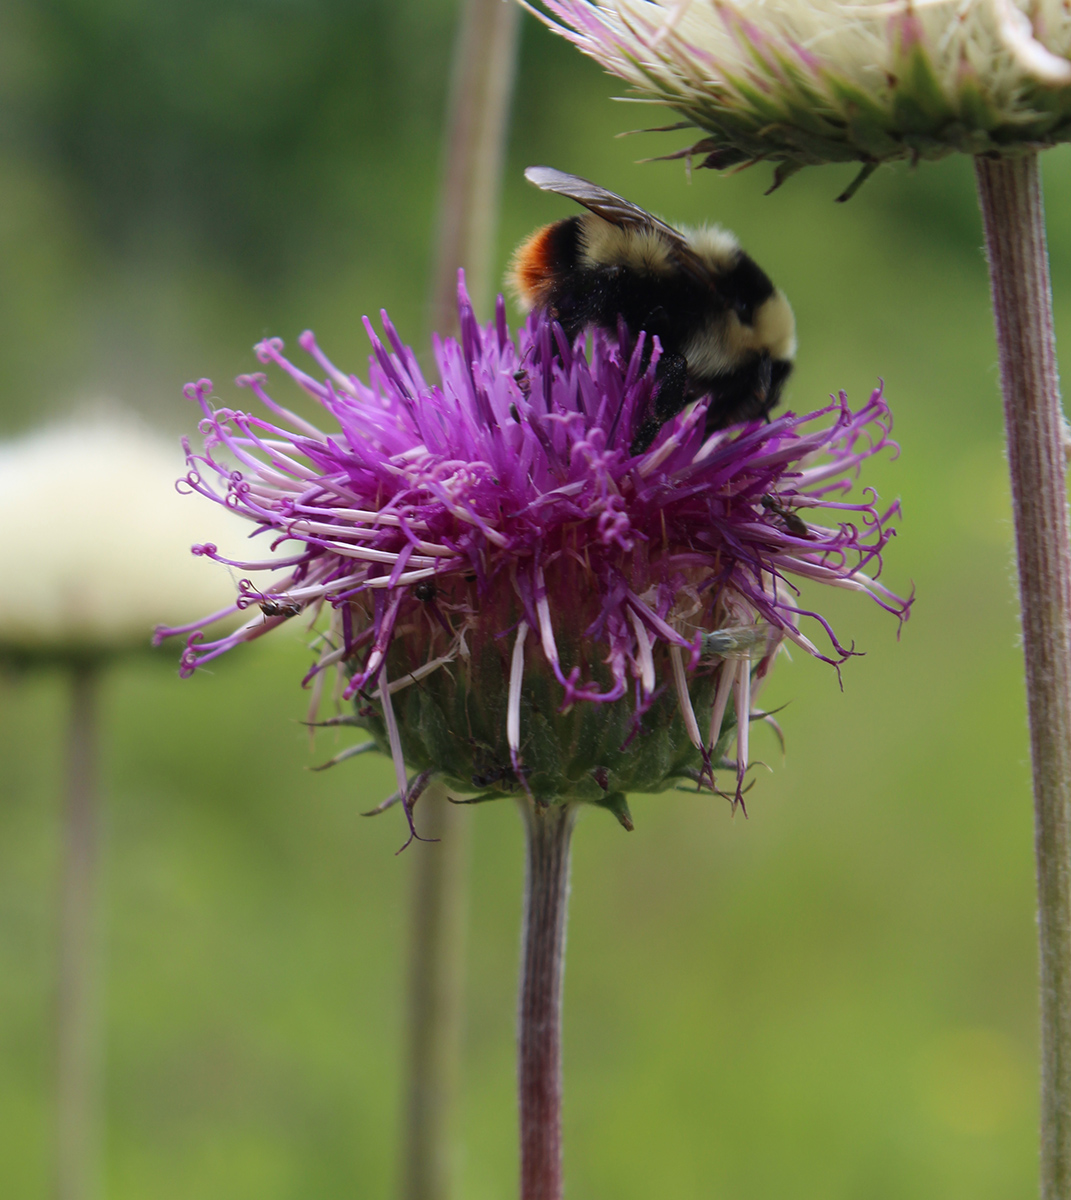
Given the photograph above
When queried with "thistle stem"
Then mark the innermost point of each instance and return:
(76, 1033)
(436, 974)
(539, 1018)
(1010, 194)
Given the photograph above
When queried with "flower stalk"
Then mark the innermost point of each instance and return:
(1009, 191)
(539, 1018)
(436, 976)
(76, 1024)
(484, 67)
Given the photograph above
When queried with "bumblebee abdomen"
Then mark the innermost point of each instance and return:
(543, 262)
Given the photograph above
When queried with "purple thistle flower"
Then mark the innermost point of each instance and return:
(512, 600)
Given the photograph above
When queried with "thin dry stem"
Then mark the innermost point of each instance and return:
(477, 120)
(1010, 195)
(483, 71)
(436, 978)
(76, 1016)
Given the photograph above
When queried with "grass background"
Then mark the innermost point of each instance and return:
(834, 998)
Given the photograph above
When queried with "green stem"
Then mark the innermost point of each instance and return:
(76, 1025)
(1010, 194)
(539, 1019)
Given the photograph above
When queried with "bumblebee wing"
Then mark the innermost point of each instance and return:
(619, 211)
(607, 205)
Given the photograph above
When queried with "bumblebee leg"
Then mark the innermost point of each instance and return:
(671, 378)
(645, 435)
(671, 375)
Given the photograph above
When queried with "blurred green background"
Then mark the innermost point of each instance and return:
(834, 998)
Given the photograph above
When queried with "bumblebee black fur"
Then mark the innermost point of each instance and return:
(726, 332)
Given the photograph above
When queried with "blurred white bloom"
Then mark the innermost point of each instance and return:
(798, 82)
(95, 540)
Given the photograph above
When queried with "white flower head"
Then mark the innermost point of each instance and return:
(95, 540)
(801, 82)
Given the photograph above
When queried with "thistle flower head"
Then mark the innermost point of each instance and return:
(799, 82)
(513, 600)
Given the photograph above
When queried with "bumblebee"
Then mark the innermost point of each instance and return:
(726, 332)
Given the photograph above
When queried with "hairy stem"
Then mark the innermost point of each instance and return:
(1010, 195)
(436, 976)
(484, 64)
(546, 900)
(76, 1023)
